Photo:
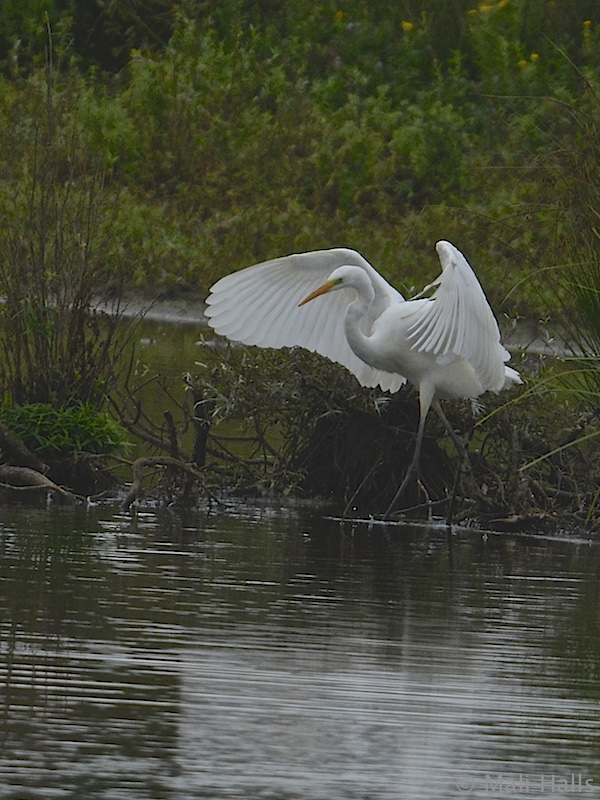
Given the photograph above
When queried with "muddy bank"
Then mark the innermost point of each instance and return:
(185, 310)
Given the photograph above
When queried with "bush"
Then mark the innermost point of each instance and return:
(55, 432)
(58, 258)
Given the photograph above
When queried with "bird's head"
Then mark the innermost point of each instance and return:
(337, 280)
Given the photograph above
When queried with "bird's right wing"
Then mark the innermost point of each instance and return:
(259, 306)
(459, 322)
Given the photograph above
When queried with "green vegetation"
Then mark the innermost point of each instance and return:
(156, 147)
(48, 431)
(240, 132)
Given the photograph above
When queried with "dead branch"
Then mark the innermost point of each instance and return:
(25, 478)
(144, 462)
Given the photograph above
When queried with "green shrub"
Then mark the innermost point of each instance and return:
(53, 432)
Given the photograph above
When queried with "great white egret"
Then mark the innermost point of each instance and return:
(447, 345)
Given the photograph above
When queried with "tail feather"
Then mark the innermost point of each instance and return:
(511, 377)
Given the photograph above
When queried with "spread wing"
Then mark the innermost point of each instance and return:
(459, 322)
(259, 306)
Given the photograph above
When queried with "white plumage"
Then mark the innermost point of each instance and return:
(259, 305)
(447, 345)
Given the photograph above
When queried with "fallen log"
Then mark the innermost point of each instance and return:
(28, 479)
(14, 450)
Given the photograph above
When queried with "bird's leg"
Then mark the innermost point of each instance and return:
(413, 467)
(427, 497)
(452, 506)
(462, 455)
(458, 442)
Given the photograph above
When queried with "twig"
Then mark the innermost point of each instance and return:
(142, 463)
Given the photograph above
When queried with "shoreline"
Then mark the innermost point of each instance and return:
(188, 310)
(524, 336)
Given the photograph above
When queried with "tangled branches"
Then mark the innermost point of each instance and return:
(266, 422)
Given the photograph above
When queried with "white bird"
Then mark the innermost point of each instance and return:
(447, 345)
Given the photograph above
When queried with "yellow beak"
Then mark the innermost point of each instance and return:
(323, 289)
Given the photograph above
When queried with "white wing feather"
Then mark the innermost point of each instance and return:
(460, 323)
(259, 306)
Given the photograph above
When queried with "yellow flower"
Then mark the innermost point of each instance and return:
(339, 15)
(522, 63)
(587, 23)
(472, 11)
(407, 26)
(485, 8)
(503, 3)
(534, 57)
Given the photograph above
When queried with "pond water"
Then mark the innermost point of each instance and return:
(275, 653)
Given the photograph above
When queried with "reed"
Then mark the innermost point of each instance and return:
(55, 346)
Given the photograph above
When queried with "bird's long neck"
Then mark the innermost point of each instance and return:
(355, 321)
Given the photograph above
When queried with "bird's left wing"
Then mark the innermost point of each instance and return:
(259, 306)
(459, 321)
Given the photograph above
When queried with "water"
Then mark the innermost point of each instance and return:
(271, 653)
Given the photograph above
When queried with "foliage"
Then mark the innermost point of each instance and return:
(102, 34)
(57, 259)
(289, 421)
(578, 182)
(284, 421)
(236, 133)
(53, 432)
(278, 401)
(568, 173)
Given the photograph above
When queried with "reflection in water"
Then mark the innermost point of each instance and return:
(271, 654)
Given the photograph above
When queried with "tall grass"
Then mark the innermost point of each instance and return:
(574, 179)
(55, 242)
